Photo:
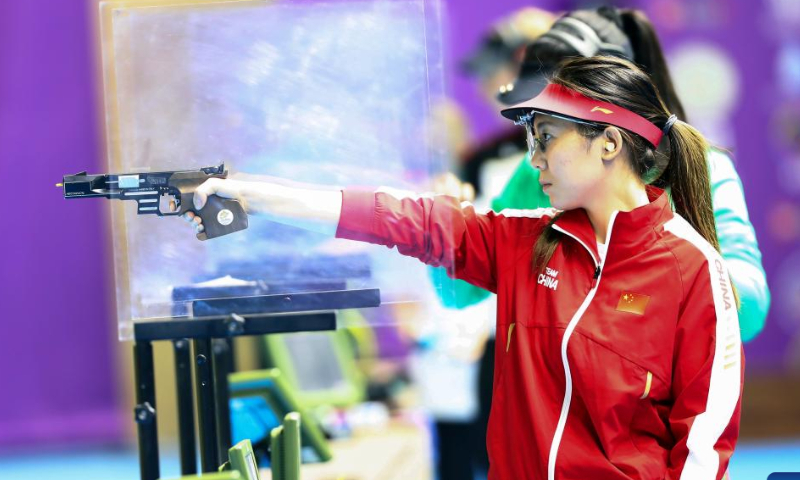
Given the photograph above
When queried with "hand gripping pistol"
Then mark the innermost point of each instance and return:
(152, 192)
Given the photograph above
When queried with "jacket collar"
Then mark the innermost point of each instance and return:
(633, 229)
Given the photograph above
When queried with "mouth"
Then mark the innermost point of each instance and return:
(545, 185)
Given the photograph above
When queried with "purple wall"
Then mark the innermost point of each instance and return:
(55, 351)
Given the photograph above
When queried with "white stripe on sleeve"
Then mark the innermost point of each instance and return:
(723, 393)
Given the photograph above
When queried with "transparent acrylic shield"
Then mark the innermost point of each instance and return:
(333, 94)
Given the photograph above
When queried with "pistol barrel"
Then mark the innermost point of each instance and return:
(83, 185)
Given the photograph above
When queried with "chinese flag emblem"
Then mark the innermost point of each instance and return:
(633, 303)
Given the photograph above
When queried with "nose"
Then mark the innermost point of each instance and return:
(538, 161)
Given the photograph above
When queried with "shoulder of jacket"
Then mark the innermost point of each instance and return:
(691, 250)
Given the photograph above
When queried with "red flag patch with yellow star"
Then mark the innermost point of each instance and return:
(634, 303)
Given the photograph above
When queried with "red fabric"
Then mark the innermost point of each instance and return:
(564, 101)
(611, 432)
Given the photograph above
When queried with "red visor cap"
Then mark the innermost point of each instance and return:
(563, 101)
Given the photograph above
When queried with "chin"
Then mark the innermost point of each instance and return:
(554, 201)
(561, 204)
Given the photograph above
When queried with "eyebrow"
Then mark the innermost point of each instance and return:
(543, 123)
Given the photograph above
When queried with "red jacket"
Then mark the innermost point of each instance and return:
(624, 368)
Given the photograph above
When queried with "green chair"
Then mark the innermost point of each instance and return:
(241, 465)
(320, 367)
(285, 447)
(243, 460)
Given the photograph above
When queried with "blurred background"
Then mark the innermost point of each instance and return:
(65, 380)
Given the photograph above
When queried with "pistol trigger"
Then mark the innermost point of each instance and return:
(169, 204)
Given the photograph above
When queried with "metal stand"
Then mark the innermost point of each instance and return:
(223, 365)
(210, 328)
(206, 404)
(183, 387)
(145, 410)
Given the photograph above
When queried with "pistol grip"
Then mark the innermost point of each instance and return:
(221, 216)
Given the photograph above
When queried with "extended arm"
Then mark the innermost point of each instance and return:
(310, 208)
(435, 229)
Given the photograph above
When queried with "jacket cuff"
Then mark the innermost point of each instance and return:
(358, 211)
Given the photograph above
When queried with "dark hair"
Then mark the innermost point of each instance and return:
(627, 29)
(680, 162)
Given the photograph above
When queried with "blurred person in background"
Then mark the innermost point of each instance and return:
(494, 66)
(628, 34)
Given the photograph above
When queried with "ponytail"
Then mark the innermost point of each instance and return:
(688, 178)
(648, 54)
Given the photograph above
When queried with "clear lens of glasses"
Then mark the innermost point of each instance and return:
(527, 122)
(529, 136)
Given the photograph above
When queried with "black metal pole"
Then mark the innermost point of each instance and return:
(183, 387)
(145, 410)
(206, 409)
(222, 367)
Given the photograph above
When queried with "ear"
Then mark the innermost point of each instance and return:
(611, 143)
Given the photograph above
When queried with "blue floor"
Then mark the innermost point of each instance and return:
(753, 461)
(95, 464)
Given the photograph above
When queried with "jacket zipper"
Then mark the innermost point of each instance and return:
(562, 419)
(596, 276)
